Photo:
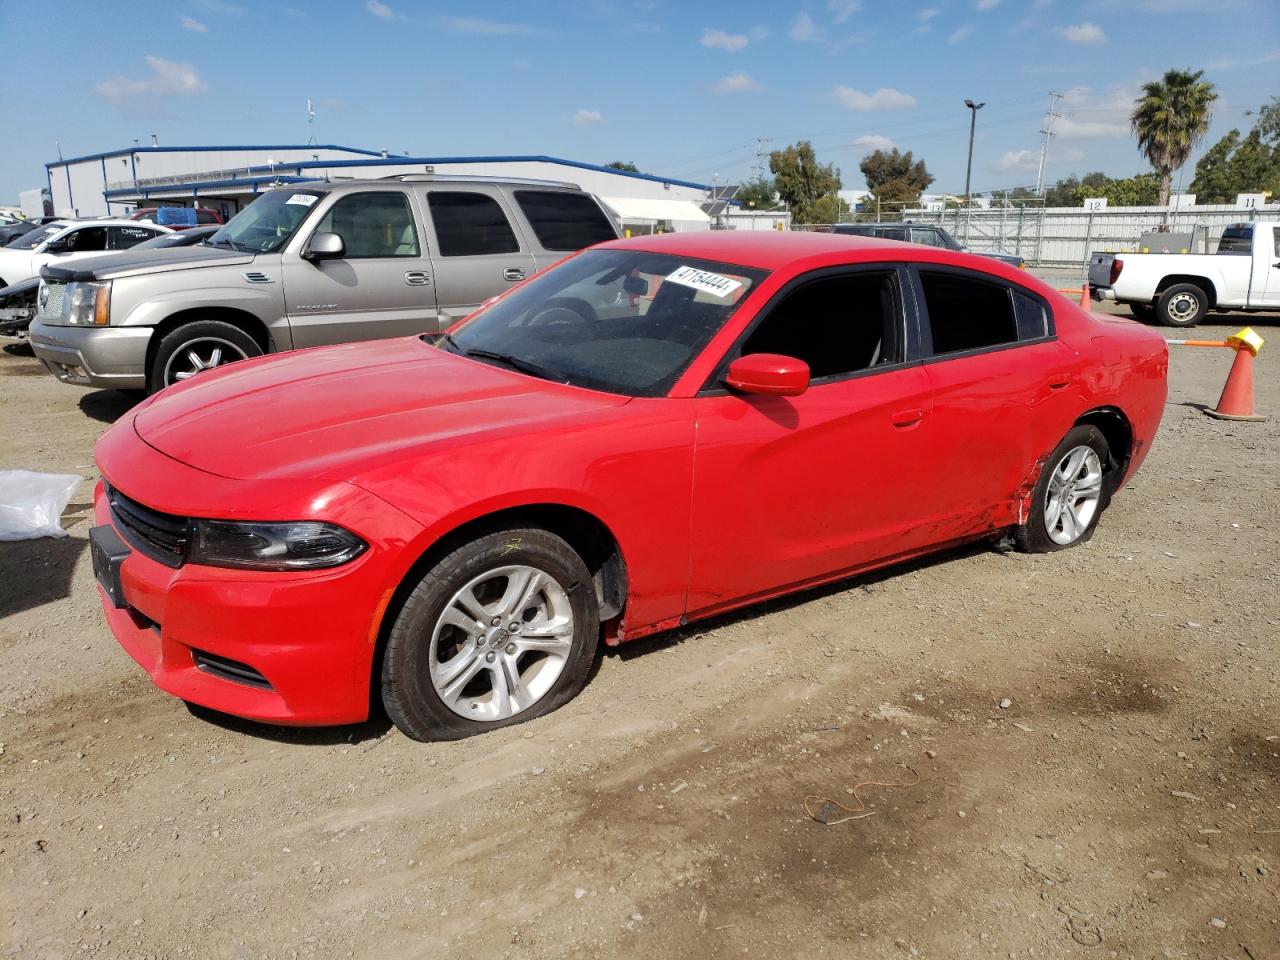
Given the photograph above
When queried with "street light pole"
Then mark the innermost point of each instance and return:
(973, 122)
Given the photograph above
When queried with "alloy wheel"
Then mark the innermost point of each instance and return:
(1074, 494)
(199, 355)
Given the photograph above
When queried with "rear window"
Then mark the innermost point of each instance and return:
(565, 221)
(1236, 240)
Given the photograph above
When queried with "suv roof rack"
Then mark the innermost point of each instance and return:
(468, 178)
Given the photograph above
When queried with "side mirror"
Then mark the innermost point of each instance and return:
(325, 246)
(769, 375)
(636, 286)
(56, 246)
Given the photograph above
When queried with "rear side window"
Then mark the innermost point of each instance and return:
(837, 325)
(927, 236)
(1033, 321)
(564, 221)
(967, 313)
(470, 224)
(122, 238)
(206, 217)
(1236, 240)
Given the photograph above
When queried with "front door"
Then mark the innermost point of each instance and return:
(381, 287)
(789, 490)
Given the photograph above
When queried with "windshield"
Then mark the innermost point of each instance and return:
(623, 321)
(267, 223)
(33, 238)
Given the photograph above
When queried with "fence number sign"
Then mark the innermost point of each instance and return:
(1095, 203)
(1250, 201)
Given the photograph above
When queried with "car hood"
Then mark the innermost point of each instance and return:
(134, 263)
(334, 412)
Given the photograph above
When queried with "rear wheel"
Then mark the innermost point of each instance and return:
(1182, 305)
(501, 630)
(196, 347)
(1070, 495)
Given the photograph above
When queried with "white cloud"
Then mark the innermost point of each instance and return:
(803, 28)
(195, 26)
(928, 13)
(167, 78)
(842, 10)
(736, 83)
(872, 142)
(1236, 61)
(721, 40)
(985, 5)
(586, 118)
(1018, 161)
(380, 10)
(488, 28)
(1089, 116)
(960, 34)
(1083, 33)
(886, 98)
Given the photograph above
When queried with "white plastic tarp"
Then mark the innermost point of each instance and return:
(643, 208)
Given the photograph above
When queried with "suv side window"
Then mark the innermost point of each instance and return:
(373, 224)
(470, 224)
(122, 238)
(967, 312)
(86, 238)
(564, 221)
(927, 236)
(836, 324)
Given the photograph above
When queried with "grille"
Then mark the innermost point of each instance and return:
(161, 536)
(57, 295)
(227, 669)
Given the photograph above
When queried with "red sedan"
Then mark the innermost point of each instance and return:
(654, 431)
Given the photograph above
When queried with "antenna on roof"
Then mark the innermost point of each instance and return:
(155, 141)
(311, 121)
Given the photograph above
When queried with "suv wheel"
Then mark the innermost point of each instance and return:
(195, 347)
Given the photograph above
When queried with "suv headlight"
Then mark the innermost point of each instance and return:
(89, 304)
(296, 545)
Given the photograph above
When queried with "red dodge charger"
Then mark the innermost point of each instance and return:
(653, 431)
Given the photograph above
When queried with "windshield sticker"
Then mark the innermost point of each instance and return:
(705, 281)
(306, 199)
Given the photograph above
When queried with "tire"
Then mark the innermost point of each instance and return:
(213, 342)
(1083, 460)
(1143, 312)
(428, 698)
(1182, 305)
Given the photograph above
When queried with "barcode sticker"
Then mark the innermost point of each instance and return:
(306, 199)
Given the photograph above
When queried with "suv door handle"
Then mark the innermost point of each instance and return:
(513, 274)
(417, 278)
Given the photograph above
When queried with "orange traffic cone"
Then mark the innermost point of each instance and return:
(1236, 402)
(1084, 295)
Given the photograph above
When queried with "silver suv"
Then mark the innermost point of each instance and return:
(305, 265)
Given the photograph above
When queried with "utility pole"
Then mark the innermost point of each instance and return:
(757, 171)
(1046, 135)
(973, 122)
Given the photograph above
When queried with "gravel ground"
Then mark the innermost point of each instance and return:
(1096, 736)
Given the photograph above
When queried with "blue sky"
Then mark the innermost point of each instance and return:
(682, 89)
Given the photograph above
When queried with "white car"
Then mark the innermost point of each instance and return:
(64, 240)
(1178, 289)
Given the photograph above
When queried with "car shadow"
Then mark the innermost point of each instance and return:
(1211, 319)
(20, 349)
(865, 581)
(108, 406)
(36, 572)
(373, 729)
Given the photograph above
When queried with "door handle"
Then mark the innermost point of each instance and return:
(907, 418)
(513, 274)
(1058, 381)
(417, 278)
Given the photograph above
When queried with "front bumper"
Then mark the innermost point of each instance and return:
(310, 637)
(110, 357)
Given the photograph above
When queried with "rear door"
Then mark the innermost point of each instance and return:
(380, 288)
(476, 253)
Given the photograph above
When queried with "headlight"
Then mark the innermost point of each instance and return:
(89, 304)
(298, 545)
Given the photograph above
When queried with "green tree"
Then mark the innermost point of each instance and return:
(757, 194)
(1249, 164)
(894, 178)
(801, 181)
(1139, 190)
(1268, 123)
(1214, 182)
(1169, 119)
(624, 165)
(826, 209)
(1254, 167)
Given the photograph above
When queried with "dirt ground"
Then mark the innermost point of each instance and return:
(1123, 804)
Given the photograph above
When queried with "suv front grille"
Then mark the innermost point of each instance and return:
(161, 536)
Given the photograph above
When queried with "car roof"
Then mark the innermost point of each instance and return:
(102, 222)
(357, 183)
(766, 249)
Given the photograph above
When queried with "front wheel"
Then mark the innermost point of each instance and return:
(1143, 312)
(195, 347)
(501, 630)
(1070, 495)
(1182, 305)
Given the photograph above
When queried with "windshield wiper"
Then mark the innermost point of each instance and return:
(515, 363)
(228, 243)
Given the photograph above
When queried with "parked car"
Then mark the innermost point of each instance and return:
(12, 231)
(179, 238)
(312, 264)
(178, 218)
(63, 241)
(654, 431)
(927, 233)
(1178, 289)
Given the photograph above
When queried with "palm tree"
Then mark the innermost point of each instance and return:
(1169, 119)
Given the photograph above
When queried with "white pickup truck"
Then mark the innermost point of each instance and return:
(1178, 289)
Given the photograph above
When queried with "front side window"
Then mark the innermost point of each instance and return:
(564, 221)
(837, 325)
(968, 313)
(267, 223)
(470, 225)
(86, 239)
(373, 224)
(622, 321)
